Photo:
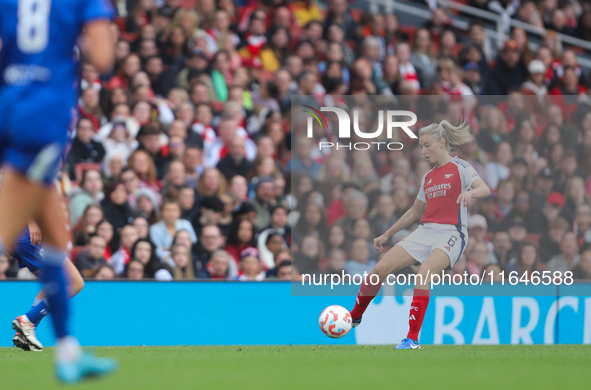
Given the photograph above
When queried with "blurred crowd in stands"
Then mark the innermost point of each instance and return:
(181, 163)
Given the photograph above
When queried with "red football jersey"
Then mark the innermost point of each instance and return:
(440, 189)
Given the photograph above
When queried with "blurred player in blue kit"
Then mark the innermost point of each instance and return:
(38, 90)
(29, 254)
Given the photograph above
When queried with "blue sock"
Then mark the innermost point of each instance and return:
(54, 281)
(37, 312)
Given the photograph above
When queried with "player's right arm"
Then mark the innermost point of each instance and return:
(407, 218)
(98, 45)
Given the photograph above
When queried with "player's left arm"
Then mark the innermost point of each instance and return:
(479, 189)
(98, 45)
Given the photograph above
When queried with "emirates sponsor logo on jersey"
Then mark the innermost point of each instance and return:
(437, 187)
(437, 190)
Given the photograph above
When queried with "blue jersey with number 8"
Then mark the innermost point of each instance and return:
(38, 74)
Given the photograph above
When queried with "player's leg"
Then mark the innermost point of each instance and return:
(437, 261)
(20, 200)
(72, 364)
(40, 306)
(394, 260)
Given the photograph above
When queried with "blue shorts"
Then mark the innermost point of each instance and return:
(26, 254)
(34, 132)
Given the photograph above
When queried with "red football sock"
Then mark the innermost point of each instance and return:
(418, 307)
(367, 292)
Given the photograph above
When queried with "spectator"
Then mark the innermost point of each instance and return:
(210, 213)
(302, 162)
(134, 270)
(89, 108)
(509, 71)
(506, 197)
(84, 149)
(492, 274)
(273, 244)
(4, 266)
(492, 132)
(116, 209)
(526, 262)
(142, 164)
(582, 225)
(263, 201)
(175, 176)
(583, 269)
(311, 221)
(422, 57)
(498, 169)
(554, 206)
(568, 168)
(359, 260)
(142, 227)
(502, 253)
(487, 208)
(147, 205)
(241, 237)
(92, 255)
(162, 233)
(183, 267)
(87, 225)
(105, 230)
(517, 232)
(104, 272)
(91, 192)
(575, 195)
(307, 260)
(337, 259)
(132, 185)
(550, 240)
(192, 162)
(119, 139)
(477, 258)
(211, 183)
(122, 256)
(250, 266)
(542, 187)
(521, 210)
(536, 86)
(235, 162)
(569, 254)
(281, 256)
(356, 206)
(284, 270)
(217, 267)
(144, 251)
(362, 229)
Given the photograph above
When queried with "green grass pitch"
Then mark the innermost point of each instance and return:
(318, 367)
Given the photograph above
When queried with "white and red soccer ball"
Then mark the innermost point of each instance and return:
(335, 321)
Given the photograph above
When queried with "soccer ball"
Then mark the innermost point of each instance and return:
(335, 321)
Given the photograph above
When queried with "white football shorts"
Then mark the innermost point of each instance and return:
(429, 236)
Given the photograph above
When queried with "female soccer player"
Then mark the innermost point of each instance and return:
(38, 76)
(28, 253)
(438, 242)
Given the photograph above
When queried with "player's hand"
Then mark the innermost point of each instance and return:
(35, 233)
(379, 242)
(464, 198)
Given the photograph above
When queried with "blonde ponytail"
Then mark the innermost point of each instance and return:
(453, 135)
